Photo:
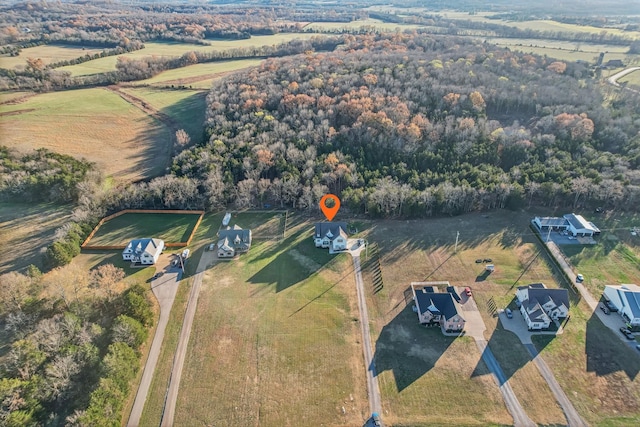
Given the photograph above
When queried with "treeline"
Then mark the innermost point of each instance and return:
(38, 77)
(73, 355)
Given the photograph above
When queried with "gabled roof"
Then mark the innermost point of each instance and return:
(578, 222)
(558, 296)
(139, 247)
(330, 230)
(235, 237)
(436, 302)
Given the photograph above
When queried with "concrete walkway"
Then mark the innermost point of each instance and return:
(168, 413)
(475, 327)
(373, 390)
(164, 288)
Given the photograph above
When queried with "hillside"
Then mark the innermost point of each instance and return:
(410, 124)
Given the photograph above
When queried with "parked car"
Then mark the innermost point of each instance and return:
(627, 333)
(638, 347)
(479, 261)
(376, 419)
(509, 313)
(611, 307)
(185, 253)
(604, 309)
(467, 291)
(579, 278)
(212, 246)
(487, 260)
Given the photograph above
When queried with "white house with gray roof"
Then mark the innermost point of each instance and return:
(574, 224)
(626, 298)
(143, 251)
(332, 235)
(540, 305)
(233, 240)
(435, 307)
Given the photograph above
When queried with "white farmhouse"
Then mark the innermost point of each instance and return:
(540, 305)
(143, 251)
(626, 298)
(331, 235)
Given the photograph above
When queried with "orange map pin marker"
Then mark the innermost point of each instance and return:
(330, 212)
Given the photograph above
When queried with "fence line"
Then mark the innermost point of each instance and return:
(85, 244)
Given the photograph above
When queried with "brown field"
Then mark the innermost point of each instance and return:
(94, 124)
(274, 341)
(25, 230)
(424, 250)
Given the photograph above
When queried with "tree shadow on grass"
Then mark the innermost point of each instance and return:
(292, 265)
(408, 349)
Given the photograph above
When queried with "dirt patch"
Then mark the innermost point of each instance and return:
(17, 112)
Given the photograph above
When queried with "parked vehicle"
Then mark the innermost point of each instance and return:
(579, 278)
(509, 313)
(627, 333)
(375, 418)
(212, 246)
(604, 309)
(487, 260)
(611, 307)
(467, 291)
(185, 253)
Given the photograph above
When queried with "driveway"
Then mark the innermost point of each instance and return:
(475, 327)
(164, 288)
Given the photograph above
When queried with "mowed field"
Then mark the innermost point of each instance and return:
(413, 361)
(632, 79)
(172, 228)
(275, 340)
(172, 49)
(93, 124)
(25, 230)
(48, 54)
(616, 257)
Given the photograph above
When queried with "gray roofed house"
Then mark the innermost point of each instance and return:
(435, 307)
(143, 251)
(232, 241)
(539, 305)
(578, 226)
(332, 235)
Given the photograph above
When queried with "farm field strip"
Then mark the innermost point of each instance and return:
(197, 72)
(173, 49)
(93, 124)
(48, 53)
(632, 79)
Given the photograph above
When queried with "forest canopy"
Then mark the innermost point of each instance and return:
(411, 124)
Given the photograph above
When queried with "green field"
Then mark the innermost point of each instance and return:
(172, 228)
(94, 124)
(172, 49)
(275, 340)
(48, 54)
(27, 228)
(194, 75)
(632, 79)
(614, 260)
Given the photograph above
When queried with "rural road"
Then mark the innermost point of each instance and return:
(475, 327)
(171, 399)
(373, 390)
(614, 79)
(164, 288)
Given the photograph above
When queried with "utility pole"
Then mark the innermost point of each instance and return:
(455, 251)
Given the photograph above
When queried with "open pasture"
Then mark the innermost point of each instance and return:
(170, 227)
(425, 251)
(26, 229)
(93, 124)
(194, 75)
(48, 53)
(354, 25)
(173, 49)
(275, 340)
(632, 79)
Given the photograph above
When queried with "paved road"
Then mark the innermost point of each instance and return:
(372, 379)
(573, 418)
(475, 327)
(614, 79)
(164, 288)
(168, 412)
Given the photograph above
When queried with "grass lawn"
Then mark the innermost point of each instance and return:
(274, 340)
(94, 124)
(48, 54)
(171, 49)
(196, 73)
(614, 260)
(597, 371)
(632, 79)
(415, 361)
(185, 107)
(26, 229)
(172, 228)
(13, 96)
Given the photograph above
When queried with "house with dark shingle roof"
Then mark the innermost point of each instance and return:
(626, 298)
(143, 251)
(434, 307)
(540, 305)
(233, 240)
(332, 235)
